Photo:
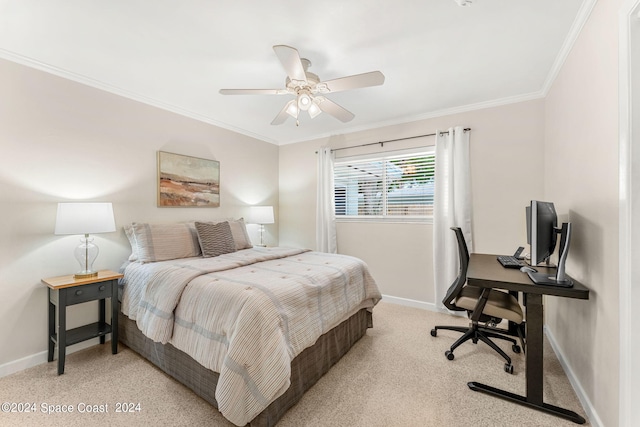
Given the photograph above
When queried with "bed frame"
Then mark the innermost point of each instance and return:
(306, 368)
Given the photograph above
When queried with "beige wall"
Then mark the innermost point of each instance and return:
(582, 179)
(507, 154)
(62, 141)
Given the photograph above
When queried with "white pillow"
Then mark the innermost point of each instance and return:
(128, 231)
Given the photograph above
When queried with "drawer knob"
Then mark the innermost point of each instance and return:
(101, 288)
(78, 292)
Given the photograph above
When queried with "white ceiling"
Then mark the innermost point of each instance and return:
(437, 57)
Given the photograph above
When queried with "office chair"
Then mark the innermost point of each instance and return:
(483, 305)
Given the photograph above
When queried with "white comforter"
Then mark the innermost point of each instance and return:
(247, 314)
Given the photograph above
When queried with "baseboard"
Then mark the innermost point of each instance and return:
(591, 413)
(409, 302)
(420, 304)
(40, 358)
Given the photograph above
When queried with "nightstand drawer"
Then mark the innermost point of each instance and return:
(92, 292)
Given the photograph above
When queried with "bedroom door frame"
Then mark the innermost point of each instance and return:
(629, 226)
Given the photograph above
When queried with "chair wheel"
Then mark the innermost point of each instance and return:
(434, 332)
(449, 354)
(508, 368)
(516, 348)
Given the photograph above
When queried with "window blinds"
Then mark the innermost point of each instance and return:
(388, 186)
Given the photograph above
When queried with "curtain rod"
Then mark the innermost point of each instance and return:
(392, 140)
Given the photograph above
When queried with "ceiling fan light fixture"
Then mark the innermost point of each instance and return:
(292, 109)
(304, 101)
(314, 110)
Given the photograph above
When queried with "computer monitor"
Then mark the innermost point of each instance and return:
(542, 234)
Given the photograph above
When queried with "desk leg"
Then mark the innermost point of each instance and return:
(535, 346)
(62, 329)
(534, 358)
(114, 316)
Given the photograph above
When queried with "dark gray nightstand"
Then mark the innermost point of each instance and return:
(65, 291)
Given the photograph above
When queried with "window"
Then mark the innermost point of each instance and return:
(391, 186)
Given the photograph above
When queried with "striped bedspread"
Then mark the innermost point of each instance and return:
(247, 314)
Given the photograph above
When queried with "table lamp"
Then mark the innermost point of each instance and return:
(261, 215)
(85, 218)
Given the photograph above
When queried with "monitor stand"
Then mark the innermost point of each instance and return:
(560, 279)
(546, 264)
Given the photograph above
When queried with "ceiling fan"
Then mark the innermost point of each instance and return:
(307, 88)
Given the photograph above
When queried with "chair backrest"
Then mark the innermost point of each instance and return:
(458, 283)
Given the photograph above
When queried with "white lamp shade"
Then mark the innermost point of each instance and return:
(84, 218)
(261, 215)
(314, 110)
(292, 109)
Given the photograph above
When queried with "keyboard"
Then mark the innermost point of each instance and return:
(509, 261)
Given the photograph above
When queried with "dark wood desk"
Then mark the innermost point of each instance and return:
(485, 271)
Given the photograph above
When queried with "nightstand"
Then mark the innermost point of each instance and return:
(65, 291)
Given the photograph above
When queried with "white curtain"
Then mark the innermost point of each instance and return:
(452, 206)
(326, 213)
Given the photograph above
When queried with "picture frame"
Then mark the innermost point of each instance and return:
(186, 181)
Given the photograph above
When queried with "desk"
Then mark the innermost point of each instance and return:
(485, 271)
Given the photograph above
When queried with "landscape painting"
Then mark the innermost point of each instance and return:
(185, 181)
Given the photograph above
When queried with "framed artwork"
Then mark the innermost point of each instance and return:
(185, 181)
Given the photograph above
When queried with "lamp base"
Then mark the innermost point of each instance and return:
(86, 254)
(85, 274)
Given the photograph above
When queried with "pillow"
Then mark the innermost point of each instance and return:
(161, 242)
(240, 235)
(215, 238)
(128, 231)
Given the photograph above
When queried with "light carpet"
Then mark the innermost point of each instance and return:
(397, 375)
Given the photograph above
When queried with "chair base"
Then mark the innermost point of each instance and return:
(476, 332)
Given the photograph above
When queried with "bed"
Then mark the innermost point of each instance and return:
(249, 329)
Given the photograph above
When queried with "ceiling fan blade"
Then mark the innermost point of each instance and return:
(253, 91)
(330, 107)
(373, 78)
(283, 114)
(291, 62)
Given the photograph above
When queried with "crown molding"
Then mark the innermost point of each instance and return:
(430, 115)
(578, 23)
(88, 81)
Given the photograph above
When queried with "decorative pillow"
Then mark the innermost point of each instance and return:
(215, 238)
(240, 235)
(161, 242)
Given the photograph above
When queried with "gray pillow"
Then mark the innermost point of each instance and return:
(215, 238)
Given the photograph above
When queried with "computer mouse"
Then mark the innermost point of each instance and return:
(526, 269)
